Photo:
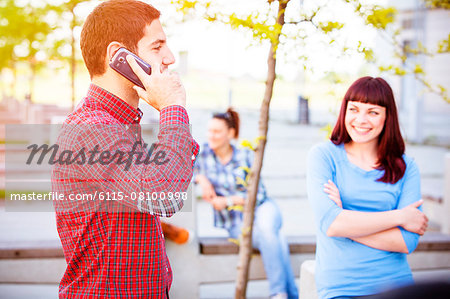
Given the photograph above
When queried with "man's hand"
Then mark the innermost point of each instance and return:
(161, 89)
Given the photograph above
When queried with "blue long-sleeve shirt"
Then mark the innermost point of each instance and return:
(345, 267)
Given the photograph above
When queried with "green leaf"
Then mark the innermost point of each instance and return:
(328, 129)
(399, 71)
(385, 68)
(244, 168)
(380, 17)
(418, 69)
(330, 26)
(184, 6)
(238, 208)
(445, 4)
(258, 139)
(247, 144)
(235, 241)
(240, 181)
(444, 45)
(442, 89)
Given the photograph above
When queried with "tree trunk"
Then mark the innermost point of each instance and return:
(246, 248)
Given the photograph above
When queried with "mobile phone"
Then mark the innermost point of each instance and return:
(120, 64)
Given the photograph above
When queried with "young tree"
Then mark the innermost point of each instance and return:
(67, 12)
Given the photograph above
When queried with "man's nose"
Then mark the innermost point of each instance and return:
(168, 58)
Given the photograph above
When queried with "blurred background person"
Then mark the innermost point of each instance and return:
(221, 170)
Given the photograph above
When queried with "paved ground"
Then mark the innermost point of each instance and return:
(256, 289)
(283, 174)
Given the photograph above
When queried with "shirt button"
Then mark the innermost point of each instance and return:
(167, 269)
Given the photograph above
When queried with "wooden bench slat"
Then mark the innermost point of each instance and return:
(434, 241)
(431, 241)
(31, 249)
(220, 245)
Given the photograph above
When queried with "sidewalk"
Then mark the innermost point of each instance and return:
(255, 290)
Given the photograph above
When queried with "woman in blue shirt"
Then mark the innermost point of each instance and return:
(221, 170)
(365, 193)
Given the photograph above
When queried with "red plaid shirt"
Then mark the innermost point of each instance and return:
(115, 249)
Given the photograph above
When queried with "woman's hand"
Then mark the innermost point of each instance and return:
(333, 192)
(237, 200)
(219, 203)
(413, 220)
(208, 192)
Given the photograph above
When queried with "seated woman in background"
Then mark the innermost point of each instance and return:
(220, 170)
(365, 193)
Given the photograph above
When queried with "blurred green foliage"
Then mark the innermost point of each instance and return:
(438, 3)
(29, 34)
(23, 33)
(262, 24)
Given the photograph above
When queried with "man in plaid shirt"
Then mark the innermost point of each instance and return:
(115, 248)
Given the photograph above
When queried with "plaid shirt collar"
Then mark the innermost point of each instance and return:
(209, 152)
(112, 104)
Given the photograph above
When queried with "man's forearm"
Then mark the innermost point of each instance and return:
(173, 177)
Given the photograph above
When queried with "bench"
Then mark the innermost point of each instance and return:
(431, 241)
(31, 249)
(220, 245)
(202, 260)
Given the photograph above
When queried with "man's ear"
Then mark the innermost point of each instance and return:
(111, 50)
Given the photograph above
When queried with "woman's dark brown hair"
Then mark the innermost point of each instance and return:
(231, 118)
(391, 146)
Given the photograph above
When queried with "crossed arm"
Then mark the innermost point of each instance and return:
(377, 229)
(396, 230)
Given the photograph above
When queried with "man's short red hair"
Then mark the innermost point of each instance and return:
(122, 21)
